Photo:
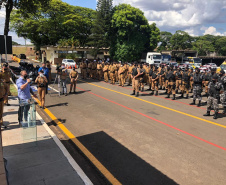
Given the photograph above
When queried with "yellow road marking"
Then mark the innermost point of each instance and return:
(87, 153)
(211, 122)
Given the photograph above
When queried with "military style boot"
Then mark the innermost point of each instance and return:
(174, 97)
(182, 95)
(187, 96)
(156, 93)
(193, 103)
(207, 113)
(152, 92)
(168, 96)
(133, 92)
(137, 94)
(199, 104)
(215, 115)
(142, 90)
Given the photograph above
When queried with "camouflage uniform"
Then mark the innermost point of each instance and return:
(223, 95)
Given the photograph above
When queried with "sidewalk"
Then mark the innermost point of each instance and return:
(36, 163)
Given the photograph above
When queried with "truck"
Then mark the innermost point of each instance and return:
(154, 58)
(222, 66)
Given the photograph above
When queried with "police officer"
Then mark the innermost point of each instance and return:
(3, 94)
(121, 74)
(162, 77)
(135, 80)
(223, 94)
(142, 74)
(89, 70)
(112, 73)
(214, 88)
(41, 81)
(155, 80)
(171, 77)
(6, 79)
(129, 74)
(197, 87)
(73, 77)
(150, 76)
(179, 74)
(94, 68)
(99, 71)
(105, 70)
(206, 80)
(185, 83)
(191, 79)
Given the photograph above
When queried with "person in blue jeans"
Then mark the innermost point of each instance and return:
(46, 74)
(24, 95)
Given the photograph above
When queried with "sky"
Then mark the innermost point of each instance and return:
(197, 17)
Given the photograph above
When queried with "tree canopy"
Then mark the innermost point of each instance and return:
(131, 33)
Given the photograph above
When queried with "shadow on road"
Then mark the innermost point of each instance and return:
(58, 105)
(126, 166)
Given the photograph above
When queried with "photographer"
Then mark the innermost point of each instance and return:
(24, 95)
(41, 80)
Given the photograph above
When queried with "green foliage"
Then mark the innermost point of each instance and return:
(181, 40)
(131, 33)
(165, 41)
(221, 45)
(101, 26)
(53, 23)
(203, 45)
(15, 43)
(154, 37)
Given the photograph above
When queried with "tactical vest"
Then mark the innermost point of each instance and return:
(185, 77)
(179, 75)
(214, 89)
(197, 79)
(162, 72)
(154, 75)
(223, 81)
(134, 71)
(150, 72)
(142, 71)
(171, 76)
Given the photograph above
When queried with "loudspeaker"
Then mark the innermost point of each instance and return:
(8, 44)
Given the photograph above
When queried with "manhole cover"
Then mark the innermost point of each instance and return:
(11, 109)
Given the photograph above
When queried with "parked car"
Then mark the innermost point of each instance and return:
(22, 56)
(69, 63)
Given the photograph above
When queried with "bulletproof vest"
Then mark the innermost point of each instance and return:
(223, 81)
(162, 71)
(150, 72)
(214, 90)
(197, 79)
(179, 74)
(154, 75)
(134, 71)
(142, 71)
(185, 77)
(171, 76)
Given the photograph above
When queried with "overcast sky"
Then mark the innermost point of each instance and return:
(197, 17)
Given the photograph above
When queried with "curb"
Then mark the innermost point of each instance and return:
(71, 161)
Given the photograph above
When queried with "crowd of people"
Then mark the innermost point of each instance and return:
(173, 80)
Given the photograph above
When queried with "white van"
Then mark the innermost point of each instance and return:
(154, 58)
(69, 63)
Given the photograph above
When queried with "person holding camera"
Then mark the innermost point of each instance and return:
(41, 80)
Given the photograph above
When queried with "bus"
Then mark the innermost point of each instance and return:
(154, 58)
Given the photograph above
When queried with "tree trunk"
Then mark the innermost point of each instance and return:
(8, 9)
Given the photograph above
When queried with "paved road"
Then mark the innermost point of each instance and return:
(145, 140)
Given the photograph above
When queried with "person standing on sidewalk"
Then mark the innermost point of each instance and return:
(46, 73)
(24, 95)
(3, 94)
(41, 80)
(6, 79)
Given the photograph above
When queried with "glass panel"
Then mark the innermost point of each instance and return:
(27, 120)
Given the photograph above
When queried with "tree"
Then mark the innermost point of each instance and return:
(101, 26)
(181, 40)
(221, 45)
(203, 45)
(53, 23)
(15, 43)
(24, 6)
(154, 37)
(165, 41)
(131, 33)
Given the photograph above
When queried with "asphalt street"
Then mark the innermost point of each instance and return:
(145, 140)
